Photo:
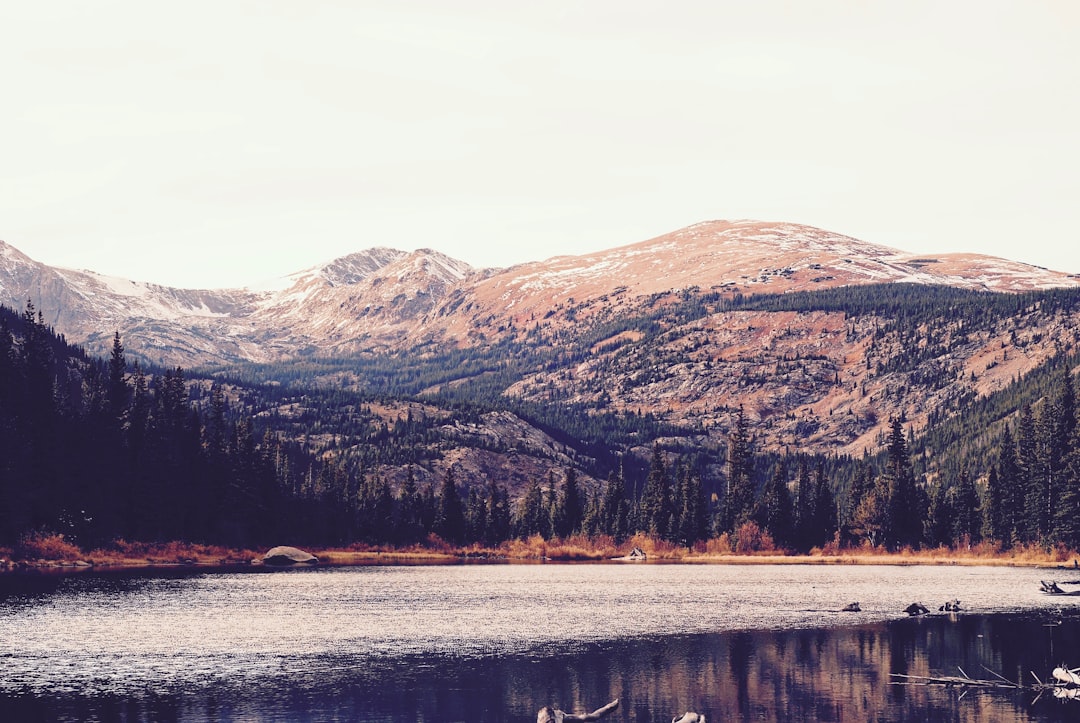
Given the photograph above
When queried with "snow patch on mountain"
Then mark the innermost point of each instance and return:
(385, 298)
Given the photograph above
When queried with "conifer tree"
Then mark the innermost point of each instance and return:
(824, 507)
(805, 508)
(904, 509)
(656, 499)
(613, 508)
(692, 518)
(967, 513)
(450, 517)
(409, 527)
(739, 494)
(118, 389)
(774, 509)
(476, 519)
(1010, 492)
(570, 509)
(551, 502)
(1067, 511)
(938, 527)
(532, 513)
(498, 514)
(1031, 524)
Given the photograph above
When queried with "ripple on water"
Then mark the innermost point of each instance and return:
(99, 634)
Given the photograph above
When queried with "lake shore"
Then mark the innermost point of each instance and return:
(129, 556)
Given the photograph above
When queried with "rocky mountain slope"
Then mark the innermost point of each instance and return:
(657, 328)
(385, 299)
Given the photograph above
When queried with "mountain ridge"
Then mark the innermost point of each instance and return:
(385, 299)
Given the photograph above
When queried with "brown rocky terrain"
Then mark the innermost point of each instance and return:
(604, 331)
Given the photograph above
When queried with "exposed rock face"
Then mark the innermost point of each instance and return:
(284, 555)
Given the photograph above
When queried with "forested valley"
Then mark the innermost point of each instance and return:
(99, 450)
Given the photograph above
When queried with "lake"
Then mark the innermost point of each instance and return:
(496, 642)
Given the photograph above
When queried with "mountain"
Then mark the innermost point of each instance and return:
(683, 328)
(388, 300)
(388, 370)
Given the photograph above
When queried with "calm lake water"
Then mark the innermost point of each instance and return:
(498, 642)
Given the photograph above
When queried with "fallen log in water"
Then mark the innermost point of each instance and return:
(1067, 685)
(549, 715)
(955, 681)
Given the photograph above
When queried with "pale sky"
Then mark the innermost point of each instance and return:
(211, 144)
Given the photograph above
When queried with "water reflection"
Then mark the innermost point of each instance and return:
(197, 648)
(841, 674)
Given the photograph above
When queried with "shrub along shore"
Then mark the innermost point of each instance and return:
(54, 553)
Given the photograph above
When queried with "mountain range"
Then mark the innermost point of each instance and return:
(385, 299)
(679, 331)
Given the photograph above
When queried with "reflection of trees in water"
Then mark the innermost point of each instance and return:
(824, 675)
(830, 675)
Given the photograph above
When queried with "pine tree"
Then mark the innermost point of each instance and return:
(1032, 524)
(656, 502)
(739, 494)
(449, 517)
(498, 514)
(1067, 512)
(774, 509)
(409, 527)
(118, 389)
(939, 519)
(967, 515)
(532, 514)
(1011, 491)
(570, 509)
(824, 507)
(693, 514)
(805, 508)
(613, 508)
(904, 509)
(476, 516)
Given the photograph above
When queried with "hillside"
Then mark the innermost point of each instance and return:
(665, 328)
(389, 300)
(430, 377)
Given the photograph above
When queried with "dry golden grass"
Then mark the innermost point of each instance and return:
(46, 546)
(125, 553)
(746, 546)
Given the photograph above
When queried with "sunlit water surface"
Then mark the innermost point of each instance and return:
(496, 642)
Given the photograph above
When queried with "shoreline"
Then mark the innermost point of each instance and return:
(250, 561)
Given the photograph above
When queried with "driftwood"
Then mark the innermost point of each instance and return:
(1067, 685)
(1050, 587)
(548, 715)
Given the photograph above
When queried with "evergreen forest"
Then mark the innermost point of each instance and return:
(99, 450)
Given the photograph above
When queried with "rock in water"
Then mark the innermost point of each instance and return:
(285, 555)
(916, 608)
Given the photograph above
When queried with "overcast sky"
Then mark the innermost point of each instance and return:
(208, 144)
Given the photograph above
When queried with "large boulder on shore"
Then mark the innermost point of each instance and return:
(285, 555)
